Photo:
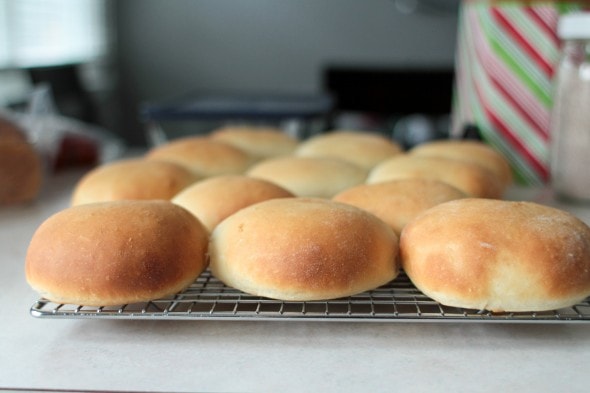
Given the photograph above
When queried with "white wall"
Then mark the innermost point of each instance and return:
(170, 47)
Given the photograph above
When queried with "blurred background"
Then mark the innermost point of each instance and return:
(384, 62)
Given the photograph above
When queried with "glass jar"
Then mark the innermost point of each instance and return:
(570, 131)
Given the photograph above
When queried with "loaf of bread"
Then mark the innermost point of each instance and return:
(114, 253)
(21, 167)
(472, 179)
(320, 177)
(261, 142)
(10, 130)
(204, 156)
(470, 151)
(134, 179)
(303, 249)
(398, 202)
(360, 148)
(498, 255)
(215, 198)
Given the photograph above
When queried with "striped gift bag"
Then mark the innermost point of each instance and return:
(507, 52)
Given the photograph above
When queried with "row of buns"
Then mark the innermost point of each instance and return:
(332, 216)
(321, 166)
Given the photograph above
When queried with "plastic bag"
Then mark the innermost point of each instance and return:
(61, 141)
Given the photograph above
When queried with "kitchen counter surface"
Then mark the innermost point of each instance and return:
(249, 356)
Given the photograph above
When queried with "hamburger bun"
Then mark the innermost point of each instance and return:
(360, 148)
(398, 202)
(114, 253)
(470, 151)
(134, 178)
(320, 177)
(213, 199)
(303, 249)
(498, 255)
(470, 178)
(261, 142)
(202, 155)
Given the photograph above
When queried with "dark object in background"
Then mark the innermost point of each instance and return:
(414, 104)
(413, 130)
(76, 151)
(471, 131)
(391, 91)
(70, 96)
(299, 115)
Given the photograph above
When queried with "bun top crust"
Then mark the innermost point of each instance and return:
(470, 178)
(320, 177)
(114, 253)
(498, 255)
(470, 151)
(213, 199)
(262, 142)
(303, 249)
(363, 149)
(135, 178)
(202, 155)
(397, 202)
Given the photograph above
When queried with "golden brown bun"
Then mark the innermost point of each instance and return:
(498, 255)
(363, 149)
(213, 199)
(397, 202)
(262, 142)
(470, 151)
(472, 179)
(303, 249)
(134, 178)
(204, 156)
(21, 171)
(320, 177)
(114, 253)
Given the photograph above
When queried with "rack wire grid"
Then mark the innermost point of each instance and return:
(398, 301)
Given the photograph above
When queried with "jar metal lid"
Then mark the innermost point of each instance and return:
(574, 26)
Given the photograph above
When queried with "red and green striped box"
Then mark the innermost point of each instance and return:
(507, 52)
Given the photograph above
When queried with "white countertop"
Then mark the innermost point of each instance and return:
(227, 356)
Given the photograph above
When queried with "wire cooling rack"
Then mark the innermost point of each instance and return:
(209, 299)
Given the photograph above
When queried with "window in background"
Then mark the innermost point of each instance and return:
(37, 33)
